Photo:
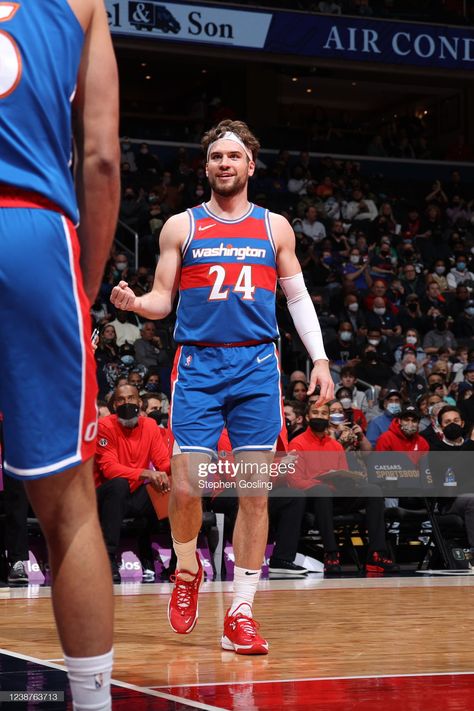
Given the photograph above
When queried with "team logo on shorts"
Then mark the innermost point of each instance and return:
(103, 442)
(187, 361)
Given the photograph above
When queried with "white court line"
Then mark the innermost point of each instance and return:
(149, 691)
(316, 678)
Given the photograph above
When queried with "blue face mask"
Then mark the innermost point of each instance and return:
(127, 359)
(394, 408)
(470, 311)
(461, 266)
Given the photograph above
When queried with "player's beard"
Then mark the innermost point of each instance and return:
(227, 189)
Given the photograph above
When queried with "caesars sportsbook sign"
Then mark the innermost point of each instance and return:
(293, 33)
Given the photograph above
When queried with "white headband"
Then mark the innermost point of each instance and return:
(229, 136)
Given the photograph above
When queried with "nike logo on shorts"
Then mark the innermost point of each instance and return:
(201, 228)
(260, 360)
(247, 573)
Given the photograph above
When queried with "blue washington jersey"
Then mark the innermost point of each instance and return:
(40, 50)
(228, 280)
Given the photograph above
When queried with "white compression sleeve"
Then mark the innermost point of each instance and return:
(304, 316)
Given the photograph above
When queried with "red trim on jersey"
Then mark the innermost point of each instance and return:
(197, 276)
(89, 414)
(209, 344)
(249, 228)
(16, 197)
(173, 379)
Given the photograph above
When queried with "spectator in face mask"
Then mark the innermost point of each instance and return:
(464, 324)
(445, 462)
(438, 274)
(459, 274)
(294, 418)
(372, 369)
(151, 386)
(410, 315)
(348, 380)
(354, 315)
(407, 382)
(458, 303)
(353, 416)
(411, 344)
(392, 405)
(381, 317)
(402, 435)
(377, 341)
(127, 357)
(356, 270)
(439, 337)
(343, 350)
(433, 433)
(126, 444)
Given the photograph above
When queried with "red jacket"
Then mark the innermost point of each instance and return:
(126, 452)
(393, 440)
(311, 466)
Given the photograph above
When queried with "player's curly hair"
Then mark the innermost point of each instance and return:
(239, 128)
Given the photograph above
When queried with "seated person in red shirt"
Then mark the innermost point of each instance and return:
(403, 435)
(127, 446)
(318, 475)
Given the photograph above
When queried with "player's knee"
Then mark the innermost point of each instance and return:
(182, 493)
(254, 505)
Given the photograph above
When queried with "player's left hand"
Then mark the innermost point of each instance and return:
(321, 376)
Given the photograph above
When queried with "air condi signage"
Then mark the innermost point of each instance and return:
(312, 35)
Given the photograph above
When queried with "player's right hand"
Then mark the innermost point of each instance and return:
(123, 297)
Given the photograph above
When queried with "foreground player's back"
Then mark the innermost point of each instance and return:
(40, 47)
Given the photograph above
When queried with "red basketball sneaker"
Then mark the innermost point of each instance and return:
(183, 604)
(241, 635)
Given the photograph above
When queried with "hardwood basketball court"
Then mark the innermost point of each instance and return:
(401, 643)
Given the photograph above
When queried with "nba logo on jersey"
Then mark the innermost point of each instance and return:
(188, 360)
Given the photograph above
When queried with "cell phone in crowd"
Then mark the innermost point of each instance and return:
(95, 335)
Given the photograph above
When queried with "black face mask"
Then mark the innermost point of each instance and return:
(318, 424)
(453, 432)
(128, 412)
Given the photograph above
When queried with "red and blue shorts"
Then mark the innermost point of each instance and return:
(47, 375)
(237, 387)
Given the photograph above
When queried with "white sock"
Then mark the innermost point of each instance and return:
(245, 587)
(89, 679)
(186, 555)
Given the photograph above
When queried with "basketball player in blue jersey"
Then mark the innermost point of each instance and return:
(57, 63)
(225, 257)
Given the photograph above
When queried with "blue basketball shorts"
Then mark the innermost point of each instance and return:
(237, 387)
(47, 375)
